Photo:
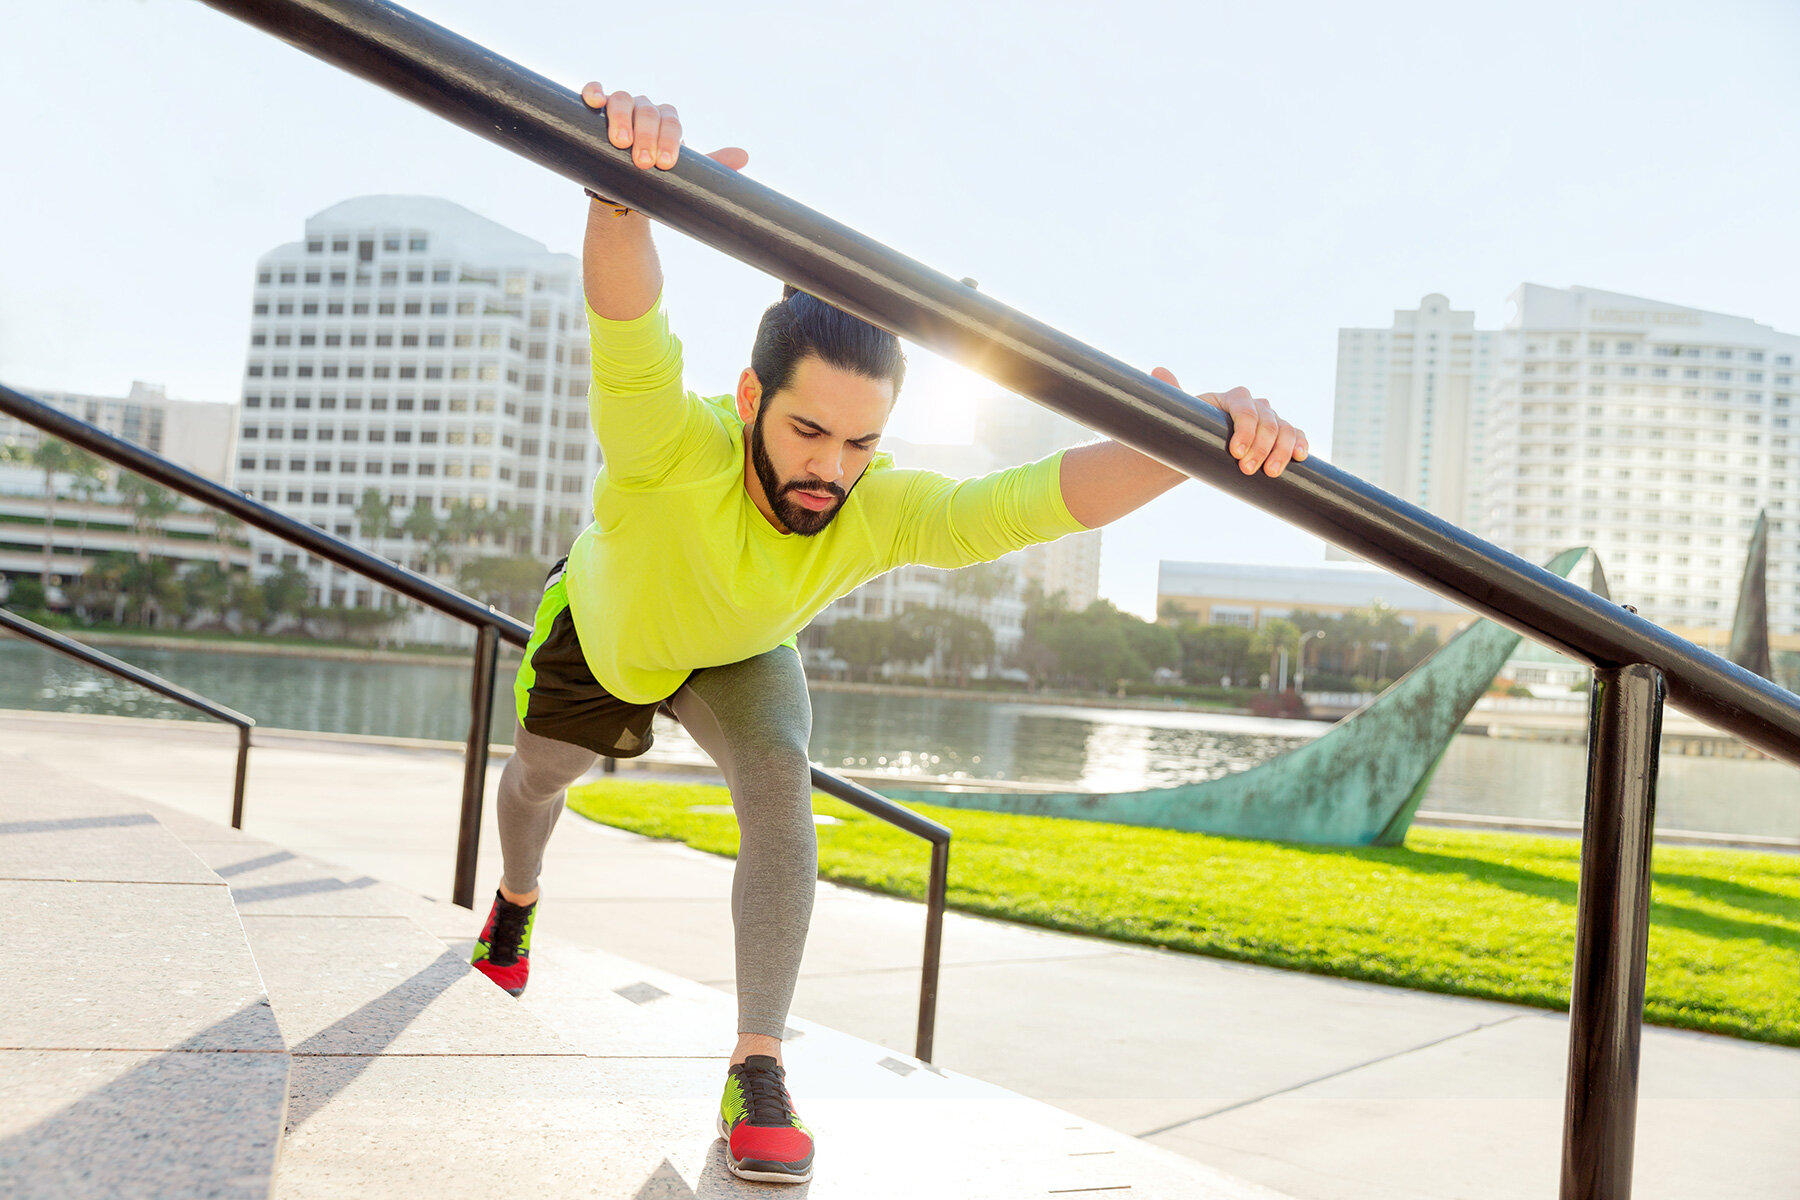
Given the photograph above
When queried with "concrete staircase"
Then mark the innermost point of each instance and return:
(192, 1012)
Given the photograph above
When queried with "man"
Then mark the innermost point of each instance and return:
(721, 527)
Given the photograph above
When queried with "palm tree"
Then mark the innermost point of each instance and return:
(373, 519)
(150, 506)
(466, 523)
(513, 527)
(51, 456)
(90, 476)
(225, 531)
(429, 534)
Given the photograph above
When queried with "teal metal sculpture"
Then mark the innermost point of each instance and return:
(1356, 785)
(1750, 628)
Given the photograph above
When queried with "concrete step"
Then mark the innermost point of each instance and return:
(415, 1076)
(888, 1125)
(138, 1050)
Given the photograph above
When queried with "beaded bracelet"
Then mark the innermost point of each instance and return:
(619, 210)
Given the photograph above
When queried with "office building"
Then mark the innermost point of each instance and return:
(407, 346)
(1653, 433)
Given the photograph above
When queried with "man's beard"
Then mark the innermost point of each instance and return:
(792, 515)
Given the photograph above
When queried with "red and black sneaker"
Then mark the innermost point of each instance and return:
(503, 952)
(764, 1139)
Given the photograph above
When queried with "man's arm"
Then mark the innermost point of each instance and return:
(619, 268)
(1104, 481)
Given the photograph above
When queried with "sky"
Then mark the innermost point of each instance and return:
(1212, 187)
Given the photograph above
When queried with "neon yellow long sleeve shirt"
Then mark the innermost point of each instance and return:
(680, 570)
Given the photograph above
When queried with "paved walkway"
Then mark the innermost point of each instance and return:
(1315, 1087)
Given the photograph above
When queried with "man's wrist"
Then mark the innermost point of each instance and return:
(618, 210)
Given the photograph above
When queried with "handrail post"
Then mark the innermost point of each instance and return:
(1612, 931)
(243, 765)
(475, 758)
(934, 947)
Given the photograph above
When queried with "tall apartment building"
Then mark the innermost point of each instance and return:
(1410, 406)
(408, 345)
(1653, 433)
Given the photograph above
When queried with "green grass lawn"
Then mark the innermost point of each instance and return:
(1474, 914)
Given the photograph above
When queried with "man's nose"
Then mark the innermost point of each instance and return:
(829, 464)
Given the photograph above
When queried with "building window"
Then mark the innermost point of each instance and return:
(416, 245)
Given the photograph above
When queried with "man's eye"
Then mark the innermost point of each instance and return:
(806, 433)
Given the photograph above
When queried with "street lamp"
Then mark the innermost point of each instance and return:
(1300, 669)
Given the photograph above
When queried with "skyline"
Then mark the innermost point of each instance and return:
(1374, 162)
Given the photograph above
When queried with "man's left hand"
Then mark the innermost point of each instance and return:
(1260, 440)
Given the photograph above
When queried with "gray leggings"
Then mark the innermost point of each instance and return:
(754, 719)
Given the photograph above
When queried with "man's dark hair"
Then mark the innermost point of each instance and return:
(800, 324)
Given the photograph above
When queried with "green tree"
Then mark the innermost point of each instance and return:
(25, 595)
(1210, 653)
(430, 534)
(284, 593)
(151, 505)
(208, 588)
(374, 519)
(52, 456)
(227, 532)
(862, 643)
(1276, 635)
(957, 638)
(511, 583)
(1091, 653)
(979, 583)
(90, 476)
(513, 529)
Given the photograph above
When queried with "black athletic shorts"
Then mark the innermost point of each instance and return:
(557, 695)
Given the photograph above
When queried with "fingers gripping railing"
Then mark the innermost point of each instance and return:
(162, 687)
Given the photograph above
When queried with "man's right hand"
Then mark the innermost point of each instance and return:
(652, 132)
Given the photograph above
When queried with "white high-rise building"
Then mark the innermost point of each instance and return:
(1654, 434)
(1410, 405)
(406, 345)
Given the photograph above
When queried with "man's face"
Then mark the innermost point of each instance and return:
(811, 442)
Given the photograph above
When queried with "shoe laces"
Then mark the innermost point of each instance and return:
(509, 931)
(765, 1093)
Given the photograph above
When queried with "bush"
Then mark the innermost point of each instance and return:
(26, 594)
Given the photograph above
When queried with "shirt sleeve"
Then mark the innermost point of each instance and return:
(642, 417)
(953, 523)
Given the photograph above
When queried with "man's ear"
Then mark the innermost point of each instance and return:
(749, 395)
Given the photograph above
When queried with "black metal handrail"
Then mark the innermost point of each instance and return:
(156, 683)
(491, 626)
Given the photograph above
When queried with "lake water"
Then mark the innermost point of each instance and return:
(1090, 749)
